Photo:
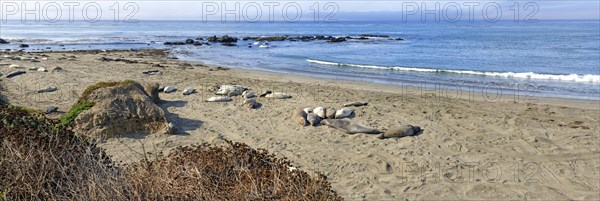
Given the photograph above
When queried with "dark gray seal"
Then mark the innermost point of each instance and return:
(347, 126)
(403, 131)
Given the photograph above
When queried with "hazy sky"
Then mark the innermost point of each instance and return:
(302, 10)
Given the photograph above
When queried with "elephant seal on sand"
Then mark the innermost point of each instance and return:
(343, 113)
(299, 117)
(313, 119)
(219, 99)
(320, 111)
(347, 126)
(355, 104)
(250, 103)
(402, 131)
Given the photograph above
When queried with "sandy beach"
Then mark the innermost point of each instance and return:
(475, 146)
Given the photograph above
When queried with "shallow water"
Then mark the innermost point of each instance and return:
(550, 58)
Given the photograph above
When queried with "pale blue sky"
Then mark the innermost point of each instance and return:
(344, 10)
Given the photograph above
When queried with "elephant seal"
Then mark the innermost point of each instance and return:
(248, 94)
(15, 73)
(188, 91)
(152, 90)
(299, 116)
(320, 111)
(219, 99)
(250, 103)
(278, 95)
(308, 110)
(230, 90)
(355, 104)
(330, 113)
(343, 113)
(313, 119)
(403, 131)
(347, 126)
(264, 94)
(47, 89)
(169, 89)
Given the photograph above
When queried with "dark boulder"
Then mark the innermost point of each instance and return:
(23, 45)
(228, 39)
(198, 43)
(189, 41)
(174, 43)
(2, 41)
(229, 44)
(337, 40)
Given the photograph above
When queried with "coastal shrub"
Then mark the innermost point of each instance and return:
(69, 118)
(42, 161)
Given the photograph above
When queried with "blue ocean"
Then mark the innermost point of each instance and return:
(550, 58)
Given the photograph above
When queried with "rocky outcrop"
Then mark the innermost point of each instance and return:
(224, 39)
(118, 109)
(2, 41)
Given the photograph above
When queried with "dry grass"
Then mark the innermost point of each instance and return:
(41, 160)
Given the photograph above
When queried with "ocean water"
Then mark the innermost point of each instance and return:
(551, 58)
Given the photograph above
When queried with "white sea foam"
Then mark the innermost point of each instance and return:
(529, 75)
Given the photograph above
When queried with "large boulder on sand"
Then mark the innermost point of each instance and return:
(119, 108)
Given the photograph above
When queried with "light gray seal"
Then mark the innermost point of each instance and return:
(347, 126)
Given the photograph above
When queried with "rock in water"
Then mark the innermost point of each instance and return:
(219, 99)
(299, 116)
(330, 112)
(47, 89)
(403, 131)
(355, 104)
(248, 94)
(2, 41)
(278, 95)
(313, 119)
(320, 111)
(347, 126)
(343, 113)
(51, 109)
(250, 103)
(188, 91)
(169, 89)
(153, 90)
(15, 73)
(123, 108)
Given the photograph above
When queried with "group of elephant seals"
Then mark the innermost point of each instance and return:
(347, 126)
(403, 131)
(299, 116)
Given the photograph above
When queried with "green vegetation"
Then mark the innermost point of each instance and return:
(42, 161)
(99, 85)
(84, 104)
(77, 109)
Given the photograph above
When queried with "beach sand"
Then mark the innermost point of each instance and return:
(475, 146)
